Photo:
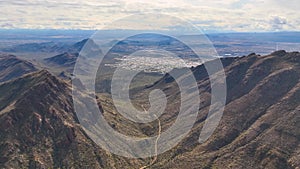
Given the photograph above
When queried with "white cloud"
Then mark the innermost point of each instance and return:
(238, 15)
(278, 23)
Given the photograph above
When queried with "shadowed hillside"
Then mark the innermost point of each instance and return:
(259, 128)
(260, 125)
(13, 67)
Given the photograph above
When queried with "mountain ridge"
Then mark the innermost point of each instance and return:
(258, 87)
(50, 135)
(259, 127)
(12, 67)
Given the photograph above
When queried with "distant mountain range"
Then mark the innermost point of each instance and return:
(47, 47)
(259, 128)
(58, 41)
(65, 60)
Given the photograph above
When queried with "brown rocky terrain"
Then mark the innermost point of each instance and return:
(39, 128)
(13, 67)
(260, 125)
(259, 128)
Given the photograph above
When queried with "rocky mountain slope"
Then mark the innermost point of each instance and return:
(65, 59)
(259, 128)
(63, 63)
(38, 127)
(260, 125)
(13, 67)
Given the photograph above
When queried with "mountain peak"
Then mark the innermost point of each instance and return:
(43, 76)
(65, 59)
(80, 45)
(12, 67)
(279, 53)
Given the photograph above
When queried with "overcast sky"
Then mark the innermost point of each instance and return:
(221, 15)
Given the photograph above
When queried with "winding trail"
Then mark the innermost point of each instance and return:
(156, 141)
